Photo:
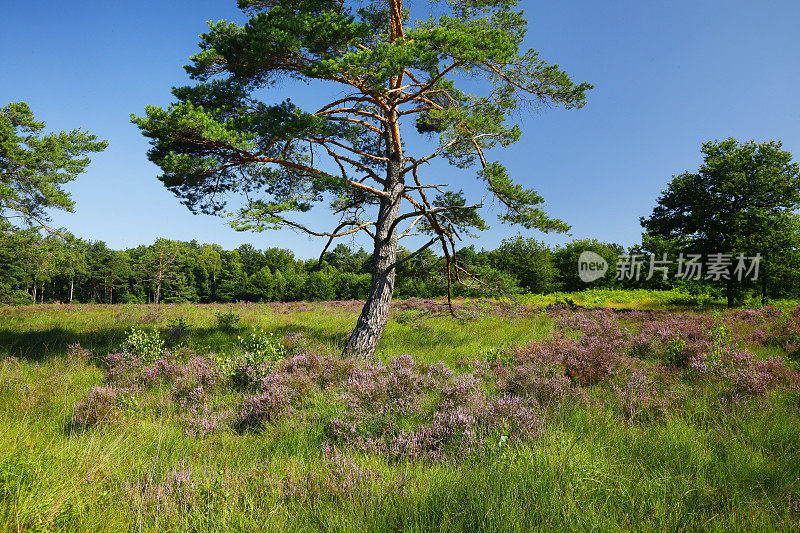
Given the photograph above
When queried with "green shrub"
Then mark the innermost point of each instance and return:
(498, 354)
(146, 345)
(674, 352)
(262, 347)
(258, 353)
(227, 320)
(178, 327)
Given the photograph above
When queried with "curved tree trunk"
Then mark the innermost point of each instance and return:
(375, 314)
(373, 318)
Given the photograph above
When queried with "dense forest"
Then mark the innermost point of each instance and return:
(57, 268)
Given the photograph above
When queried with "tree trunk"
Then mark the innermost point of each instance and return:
(71, 288)
(364, 339)
(34, 292)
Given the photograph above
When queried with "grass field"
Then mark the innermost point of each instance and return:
(516, 419)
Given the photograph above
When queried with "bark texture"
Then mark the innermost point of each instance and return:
(373, 318)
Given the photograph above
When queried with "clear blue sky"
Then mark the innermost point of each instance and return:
(668, 76)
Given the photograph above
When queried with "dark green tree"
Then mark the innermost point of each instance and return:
(18, 253)
(779, 245)
(232, 279)
(72, 263)
(293, 286)
(161, 264)
(390, 68)
(565, 259)
(260, 286)
(319, 285)
(209, 263)
(34, 166)
(108, 270)
(529, 261)
(740, 201)
(252, 260)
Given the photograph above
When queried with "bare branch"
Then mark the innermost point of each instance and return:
(413, 223)
(334, 236)
(414, 254)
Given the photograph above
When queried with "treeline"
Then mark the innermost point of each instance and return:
(42, 269)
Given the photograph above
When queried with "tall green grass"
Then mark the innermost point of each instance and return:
(705, 468)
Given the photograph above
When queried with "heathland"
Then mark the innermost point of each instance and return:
(516, 416)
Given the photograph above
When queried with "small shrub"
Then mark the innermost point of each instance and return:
(515, 417)
(498, 354)
(179, 327)
(145, 345)
(163, 370)
(785, 331)
(262, 349)
(262, 408)
(78, 354)
(258, 354)
(100, 405)
(546, 384)
(198, 378)
(642, 347)
(201, 421)
(227, 320)
(639, 398)
(675, 352)
(721, 340)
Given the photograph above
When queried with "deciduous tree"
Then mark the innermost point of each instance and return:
(740, 201)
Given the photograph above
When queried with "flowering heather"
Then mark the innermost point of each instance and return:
(394, 384)
(593, 322)
(543, 381)
(163, 370)
(785, 332)
(100, 405)
(322, 370)
(639, 397)
(517, 416)
(457, 423)
(198, 377)
(174, 494)
(122, 369)
(200, 420)
(759, 336)
(743, 374)
(637, 363)
(594, 355)
(262, 408)
(78, 354)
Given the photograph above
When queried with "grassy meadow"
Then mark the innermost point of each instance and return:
(514, 418)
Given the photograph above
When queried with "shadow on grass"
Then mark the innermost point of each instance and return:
(41, 344)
